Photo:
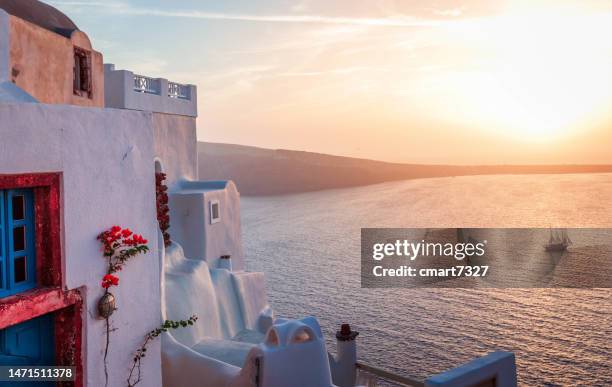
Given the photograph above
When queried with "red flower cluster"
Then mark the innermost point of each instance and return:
(135, 241)
(120, 245)
(109, 280)
(110, 239)
(118, 237)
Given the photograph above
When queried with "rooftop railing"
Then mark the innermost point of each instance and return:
(176, 90)
(147, 85)
(143, 84)
(125, 90)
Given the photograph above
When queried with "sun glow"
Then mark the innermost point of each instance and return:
(547, 72)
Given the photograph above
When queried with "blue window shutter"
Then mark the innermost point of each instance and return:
(20, 233)
(3, 277)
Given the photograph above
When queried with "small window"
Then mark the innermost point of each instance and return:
(82, 73)
(215, 215)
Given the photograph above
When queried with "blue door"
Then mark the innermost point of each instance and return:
(17, 242)
(30, 343)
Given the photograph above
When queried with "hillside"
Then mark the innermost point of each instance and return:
(259, 171)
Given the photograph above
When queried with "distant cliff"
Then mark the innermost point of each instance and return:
(259, 171)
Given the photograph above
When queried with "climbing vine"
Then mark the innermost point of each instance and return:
(119, 245)
(163, 211)
(135, 375)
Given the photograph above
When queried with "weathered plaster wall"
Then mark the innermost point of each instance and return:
(106, 158)
(4, 46)
(176, 147)
(44, 62)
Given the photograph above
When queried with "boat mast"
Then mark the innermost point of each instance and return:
(566, 238)
(551, 239)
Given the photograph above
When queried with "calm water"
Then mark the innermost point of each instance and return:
(308, 245)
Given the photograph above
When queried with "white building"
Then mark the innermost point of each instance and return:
(82, 146)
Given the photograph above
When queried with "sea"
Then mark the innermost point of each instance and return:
(308, 245)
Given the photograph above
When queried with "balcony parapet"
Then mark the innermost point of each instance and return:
(126, 90)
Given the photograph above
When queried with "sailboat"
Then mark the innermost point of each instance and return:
(558, 241)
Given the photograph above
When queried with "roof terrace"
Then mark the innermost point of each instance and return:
(126, 90)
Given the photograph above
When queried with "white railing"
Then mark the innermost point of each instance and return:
(176, 90)
(147, 85)
(372, 377)
(128, 90)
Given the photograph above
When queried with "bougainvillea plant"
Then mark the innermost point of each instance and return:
(163, 211)
(119, 245)
(135, 375)
(109, 280)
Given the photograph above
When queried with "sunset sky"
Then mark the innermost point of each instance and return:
(411, 81)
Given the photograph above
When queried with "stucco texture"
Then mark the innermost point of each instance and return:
(4, 45)
(106, 160)
(41, 62)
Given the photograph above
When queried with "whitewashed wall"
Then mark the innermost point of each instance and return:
(176, 147)
(175, 141)
(190, 224)
(224, 237)
(106, 157)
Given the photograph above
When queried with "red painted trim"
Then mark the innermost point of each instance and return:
(34, 303)
(46, 187)
(28, 180)
(67, 306)
(69, 341)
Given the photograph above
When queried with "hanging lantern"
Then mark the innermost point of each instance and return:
(107, 305)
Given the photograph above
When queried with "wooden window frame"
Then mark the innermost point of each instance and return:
(46, 191)
(212, 205)
(8, 254)
(82, 74)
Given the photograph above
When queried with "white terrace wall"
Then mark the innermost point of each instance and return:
(106, 157)
(176, 147)
(119, 93)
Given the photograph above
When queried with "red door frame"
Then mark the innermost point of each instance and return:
(49, 296)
